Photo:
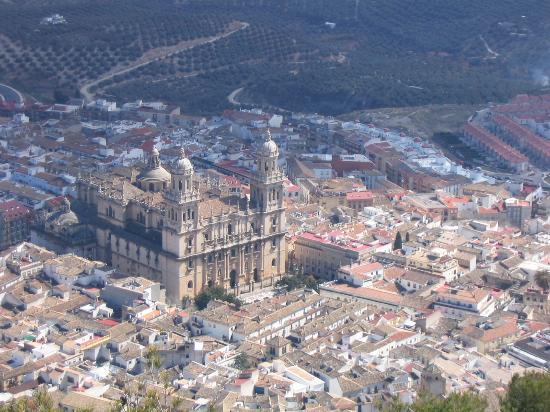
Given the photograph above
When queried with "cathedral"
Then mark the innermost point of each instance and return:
(180, 230)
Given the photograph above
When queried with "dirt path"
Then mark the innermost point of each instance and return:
(493, 53)
(158, 54)
(232, 98)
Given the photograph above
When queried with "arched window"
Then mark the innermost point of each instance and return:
(233, 280)
(274, 262)
(256, 275)
(181, 185)
(190, 284)
(229, 229)
(151, 187)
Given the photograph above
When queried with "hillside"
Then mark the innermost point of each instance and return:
(374, 53)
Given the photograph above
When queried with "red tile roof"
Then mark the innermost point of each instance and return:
(524, 135)
(12, 209)
(365, 195)
(494, 144)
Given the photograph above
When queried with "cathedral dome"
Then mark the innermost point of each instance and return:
(154, 171)
(183, 164)
(269, 147)
(159, 174)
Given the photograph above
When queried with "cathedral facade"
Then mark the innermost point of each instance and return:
(173, 228)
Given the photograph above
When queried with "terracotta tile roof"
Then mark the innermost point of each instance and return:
(12, 209)
(494, 144)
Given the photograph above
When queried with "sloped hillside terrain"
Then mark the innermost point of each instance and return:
(327, 56)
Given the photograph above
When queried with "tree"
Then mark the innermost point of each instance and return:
(398, 243)
(40, 401)
(60, 96)
(215, 293)
(298, 281)
(153, 359)
(241, 362)
(455, 402)
(529, 392)
(542, 279)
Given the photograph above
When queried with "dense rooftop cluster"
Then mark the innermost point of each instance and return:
(411, 273)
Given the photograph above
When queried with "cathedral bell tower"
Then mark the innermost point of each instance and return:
(181, 216)
(268, 213)
(180, 229)
(266, 186)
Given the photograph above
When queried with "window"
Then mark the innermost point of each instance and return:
(274, 242)
(229, 229)
(190, 263)
(151, 187)
(233, 279)
(206, 236)
(233, 252)
(190, 284)
(274, 262)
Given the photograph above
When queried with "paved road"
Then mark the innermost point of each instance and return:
(9, 94)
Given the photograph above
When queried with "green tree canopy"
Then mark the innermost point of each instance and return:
(398, 243)
(292, 282)
(529, 392)
(215, 293)
(542, 279)
(455, 402)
